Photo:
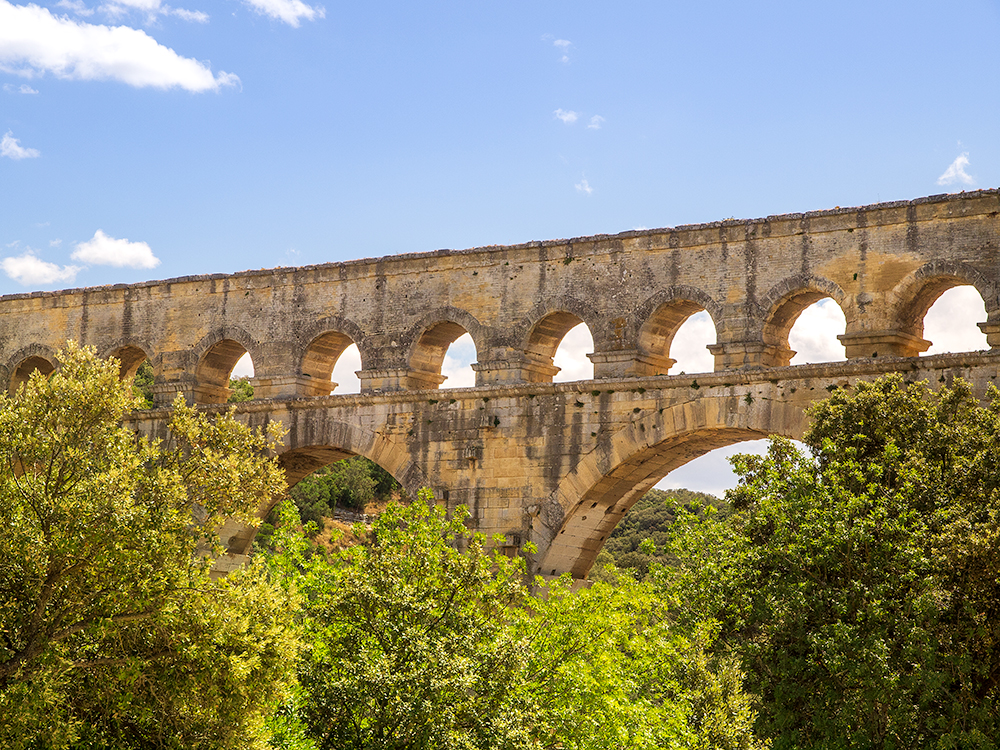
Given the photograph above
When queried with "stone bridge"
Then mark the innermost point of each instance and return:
(555, 464)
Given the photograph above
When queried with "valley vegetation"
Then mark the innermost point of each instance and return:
(844, 597)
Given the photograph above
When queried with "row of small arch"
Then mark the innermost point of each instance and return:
(662, 316)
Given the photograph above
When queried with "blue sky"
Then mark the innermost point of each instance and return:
(145, 140)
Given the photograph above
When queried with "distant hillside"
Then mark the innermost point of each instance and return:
(649, 519)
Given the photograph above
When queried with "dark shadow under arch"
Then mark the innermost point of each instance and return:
(130, 357)
(25, 361)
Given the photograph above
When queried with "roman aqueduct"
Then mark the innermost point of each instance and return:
(557, 464)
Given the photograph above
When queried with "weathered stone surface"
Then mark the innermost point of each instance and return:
(554, 464)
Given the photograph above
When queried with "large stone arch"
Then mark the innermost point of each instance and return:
(322, 344)
(24, 361)
(215, 356)
(657, 320)
(783, 304)
(913, 296)
(575, 520)
(313, 441)
(430, 338)
(130, 353)
(527, 335)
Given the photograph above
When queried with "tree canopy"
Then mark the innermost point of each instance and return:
(112, 631)
(860, 584)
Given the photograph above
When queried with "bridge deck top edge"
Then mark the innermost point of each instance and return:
(729, 378)
(535, 244)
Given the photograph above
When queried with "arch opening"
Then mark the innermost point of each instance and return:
(458, 361)
(330, 362)
(27, 366)
(950, 323)
(678, 335)
(130, 359)
(594, 515)
(813, 334)
(428, 357)
(224, 374)
(345, 372)
(321, 479)
(557, 349)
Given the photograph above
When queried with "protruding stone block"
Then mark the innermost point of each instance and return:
(872, 344)
(629, 363)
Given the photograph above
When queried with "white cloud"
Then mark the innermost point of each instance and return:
(571, 356)
(457, 365)
(814, 335)
(195, 16)
(344, 371)
(951, 322)
(55, 243)
(107, 251)
(688, 347)
(956, 172)
(28, 269)
(595, 122)
(76, 6)
(243, 367)
(152, 9)
(12, 149)
(564, 45)
(289, 11)
(22, 89)
(567, 116)
(584, 187)
(34, 42)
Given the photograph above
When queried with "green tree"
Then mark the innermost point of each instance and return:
(867, 575)
(242, 390)
(112, 631)
(409, 645)
(420, 638)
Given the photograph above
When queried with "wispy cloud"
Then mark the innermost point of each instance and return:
(151, 9)
(567, 116)
(55, 243)
(11, 148)
(584, 187)
(76, 6)
(956, 172)
(108, 251)
(563, 45)
(34, 42)
(595, 122)
(22, 89)
(291, 12)
(28, 269)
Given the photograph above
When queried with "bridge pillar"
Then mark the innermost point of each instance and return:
(398, 379)
(992, 331)
(519, 369)
(749, 355)
(285, 386)
(629, 363)
(871, 344)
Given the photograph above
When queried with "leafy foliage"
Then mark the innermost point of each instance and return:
(861, 585)
(242, 390)
(650, 519)
(112, 632)
(142, 386)
(351, 483)
(420, 638)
